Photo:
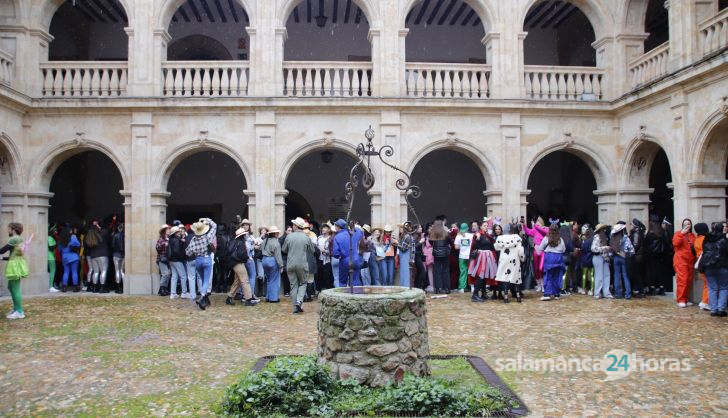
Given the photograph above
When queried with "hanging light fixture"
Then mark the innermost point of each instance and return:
(321, 18)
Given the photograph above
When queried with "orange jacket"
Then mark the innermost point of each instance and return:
(683, 245)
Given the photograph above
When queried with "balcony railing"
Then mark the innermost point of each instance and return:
(205, 78)
(84, 78)
(6, 68)
(467, 81)
(564, 83)
(714, 33)
(649, 66)
(327, 79)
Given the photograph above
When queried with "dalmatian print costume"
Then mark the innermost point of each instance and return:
(511, 257)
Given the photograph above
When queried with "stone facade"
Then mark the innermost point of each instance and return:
(374, 338)
(672, 98)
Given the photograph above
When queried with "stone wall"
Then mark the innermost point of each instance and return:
(374, 338)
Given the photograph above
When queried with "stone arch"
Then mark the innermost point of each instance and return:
(489, 170)
(52, 157)
(14, 161)
(167, 9)
(638, 159)
(284, 10)
(179, 153)
(48, 8)
(307, 148)
(703, 141)
(196, 45)
(633, 14)
(591, 157)
(483, 8)
(594, 10)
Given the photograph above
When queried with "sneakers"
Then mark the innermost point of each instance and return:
(173, 296)
(187, 296)
(53, 290)
(704, 306)
(298, 309)
(16, 315)
(597, 297)
(591, 293)
(545, 298)
(690, 304)
(682, 305)
(461, 290)
(229, 301)
(251, 302)
(477, 299)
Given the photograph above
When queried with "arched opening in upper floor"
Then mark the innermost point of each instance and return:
(657, 25)
(445, 31)
(86, 30)
(559, 34)
(327, 30)
(209, 31)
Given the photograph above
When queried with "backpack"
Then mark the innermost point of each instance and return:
(710, 257)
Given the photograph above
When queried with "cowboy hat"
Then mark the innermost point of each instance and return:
(618, 228)
(387, 228)
(299, 223)
(165, 226)
(327, 225)
(200, 228)
(173, 230)
(273, 230)
(600, 227)
(245, 222)
(239, 232)
(367, 228)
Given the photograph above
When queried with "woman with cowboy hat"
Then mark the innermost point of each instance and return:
(602, 253)
(390, 250)
(162, 261)
(201, 247)
(237, 258)
(272, 264)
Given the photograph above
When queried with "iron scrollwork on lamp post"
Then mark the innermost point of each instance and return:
(365, 179)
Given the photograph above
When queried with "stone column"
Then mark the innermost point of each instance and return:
(394, 210)
(607, 203)
(142, 212)
(28, 49)
(678, 153)
(377, 211)
(685, 17)
(252, 214)
(147, 51)
(494, 204)
(279, 219)
(707, 200)
(266, 60)
(265, 169)
(627, 48)
(512, 171)
(607, 61)
(634, 203)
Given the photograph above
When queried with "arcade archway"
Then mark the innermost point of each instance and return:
(562, 187)
(559, 33)
(452, 184)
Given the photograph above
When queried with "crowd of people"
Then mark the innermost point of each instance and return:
(490, 259)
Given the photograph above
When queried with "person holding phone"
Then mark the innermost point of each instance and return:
(683, 243)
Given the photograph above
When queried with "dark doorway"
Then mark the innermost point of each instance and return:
(662, 197)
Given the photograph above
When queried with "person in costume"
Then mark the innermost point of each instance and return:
(701, 231)
(463, 242)
(16, 269)
(602, 255)
(344, 238)
(683, 243)
(483, 264)
(552, 248)
(538, 232)
(52, 260)
(586, 261)
(512, 254)
(622, 249)
(70, 248)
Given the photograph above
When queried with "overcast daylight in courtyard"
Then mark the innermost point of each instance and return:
(364, 208)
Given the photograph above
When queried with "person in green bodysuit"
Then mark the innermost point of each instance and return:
(52, 260)
(16, 268)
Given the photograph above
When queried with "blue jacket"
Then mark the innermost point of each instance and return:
(67, 253)
(341, 244)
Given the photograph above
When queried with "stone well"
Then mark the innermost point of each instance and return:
(374, 335)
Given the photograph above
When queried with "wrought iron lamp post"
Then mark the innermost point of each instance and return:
(362, 175)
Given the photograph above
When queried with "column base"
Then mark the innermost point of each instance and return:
(143, 284)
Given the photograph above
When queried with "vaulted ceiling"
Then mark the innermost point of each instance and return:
(549, 14)
(100, 11)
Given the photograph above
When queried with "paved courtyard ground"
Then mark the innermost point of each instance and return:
(149, 356)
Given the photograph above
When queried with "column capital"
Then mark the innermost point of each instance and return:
(159, 33)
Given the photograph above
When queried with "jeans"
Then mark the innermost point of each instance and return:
(404, 268)
(601, 276)
(620, 272)
(250, 269)
(374, 271)
(203, 267)
(442, 273)
(272, 278)
(335, 271)
(178, 272)
(386, 271)
(717, 288)
(164, 275)
(366, 276)
(260, 274)
(191, 277)
(70, 269)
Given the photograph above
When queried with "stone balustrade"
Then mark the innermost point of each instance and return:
(84, 78)
(467, 81)
(6, 68)
(327, 79)
(714, 33)
(205, 78)
(650, 66)
(564, 83)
